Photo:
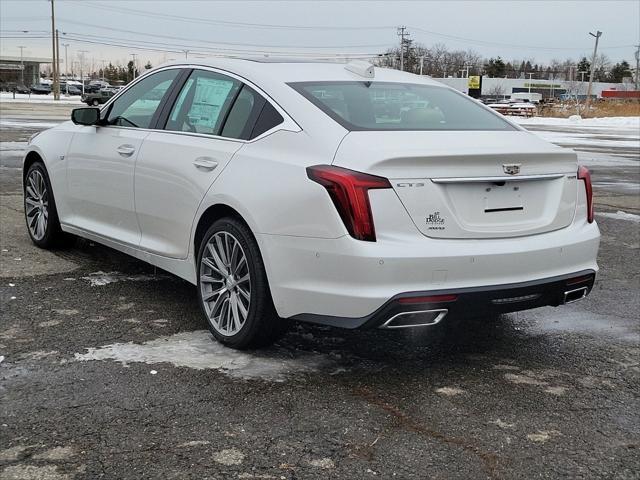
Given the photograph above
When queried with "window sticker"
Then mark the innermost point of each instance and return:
(209, 98)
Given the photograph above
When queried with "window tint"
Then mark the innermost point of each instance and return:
(399, 106)
(203, 103)
(137, 106)
(269, 118)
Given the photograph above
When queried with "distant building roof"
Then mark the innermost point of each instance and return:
(13, 58)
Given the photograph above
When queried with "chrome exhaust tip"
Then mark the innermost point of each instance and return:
(419, 318)
(571, 296)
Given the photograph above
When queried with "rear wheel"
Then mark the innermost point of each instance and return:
(95, 102)
(233, 289)
(40, 210)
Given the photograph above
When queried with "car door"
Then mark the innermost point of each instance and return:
(101, 160)
(176, 167)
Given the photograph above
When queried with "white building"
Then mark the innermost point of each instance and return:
(504, 87)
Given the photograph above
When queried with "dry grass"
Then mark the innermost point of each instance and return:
(603, 108)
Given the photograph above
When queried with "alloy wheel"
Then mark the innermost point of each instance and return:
(225, 283)
(36, 200)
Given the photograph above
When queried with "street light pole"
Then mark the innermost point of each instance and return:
(597, 36)
(135, 63)
(21, 65)
(81, 55)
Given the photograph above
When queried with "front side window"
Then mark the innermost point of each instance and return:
(137, 106)
(203, 103)
(398, 106)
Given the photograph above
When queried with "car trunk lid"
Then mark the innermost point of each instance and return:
(471, 184)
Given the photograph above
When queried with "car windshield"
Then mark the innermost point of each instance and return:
(399, 106)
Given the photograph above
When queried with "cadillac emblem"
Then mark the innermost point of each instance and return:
(511, 168)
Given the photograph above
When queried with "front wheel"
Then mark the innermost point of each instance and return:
(40, 210)
(95, 102)
(233, 289)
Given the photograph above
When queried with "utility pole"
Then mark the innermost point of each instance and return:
(56, 89)
(421, 64)
(186, 54)
(22, 65)
(530, 75)
(402, 33)
(597, 36)
(135, 63)
(103, 62)
(637, 66)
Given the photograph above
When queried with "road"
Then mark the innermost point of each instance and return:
(108, 371)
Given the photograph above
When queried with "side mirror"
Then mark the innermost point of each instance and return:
(85, 116)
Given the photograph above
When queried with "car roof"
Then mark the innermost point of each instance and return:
(286, 70)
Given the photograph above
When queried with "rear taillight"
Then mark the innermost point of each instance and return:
(584, 175)
(349, 192)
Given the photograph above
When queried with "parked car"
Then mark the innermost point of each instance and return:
(41, 89)
(99, 97)
(22, 89)
(279, 192)
(73, 90)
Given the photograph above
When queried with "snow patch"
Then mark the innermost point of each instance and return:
(100, 279)
(231, 456)
(620, 215)
(194, 443)
(198, 350)
(56, 453)
(449, 391)
(576, 120)
(325, 463)
(542, 435)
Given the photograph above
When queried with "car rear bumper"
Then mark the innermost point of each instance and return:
(347, 278)
(416, 309)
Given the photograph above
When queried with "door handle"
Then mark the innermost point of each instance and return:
(205, 163)
(126, 150)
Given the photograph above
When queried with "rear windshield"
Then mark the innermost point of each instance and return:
(399, 106)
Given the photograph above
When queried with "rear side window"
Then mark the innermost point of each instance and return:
(268, 119)
(203, 103)
(399, 106)
(241, 114)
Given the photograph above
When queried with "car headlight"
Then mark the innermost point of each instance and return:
(32, 137)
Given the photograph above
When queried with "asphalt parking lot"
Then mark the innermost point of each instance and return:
(108, 372)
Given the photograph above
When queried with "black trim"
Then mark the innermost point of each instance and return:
(479, 300)
(174, 91)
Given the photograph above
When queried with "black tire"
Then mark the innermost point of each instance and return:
(262, 326)
(95, 102)
(53, 234)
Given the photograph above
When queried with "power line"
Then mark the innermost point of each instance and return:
(207, 41)
(172, 18)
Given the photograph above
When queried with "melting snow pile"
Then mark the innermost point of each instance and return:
(198, 350)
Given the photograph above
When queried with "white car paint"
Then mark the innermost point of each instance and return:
(149, 203)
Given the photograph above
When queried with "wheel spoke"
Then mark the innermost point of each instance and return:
(221, 250)
(244, 293)
(211, 295)
(237, 321)
(31, 193)
(222, 268)
(209, 279)
(243, 279)
(243, 310)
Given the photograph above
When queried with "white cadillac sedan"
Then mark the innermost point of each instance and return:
(339, 194)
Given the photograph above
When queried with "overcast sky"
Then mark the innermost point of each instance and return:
(538, 30)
